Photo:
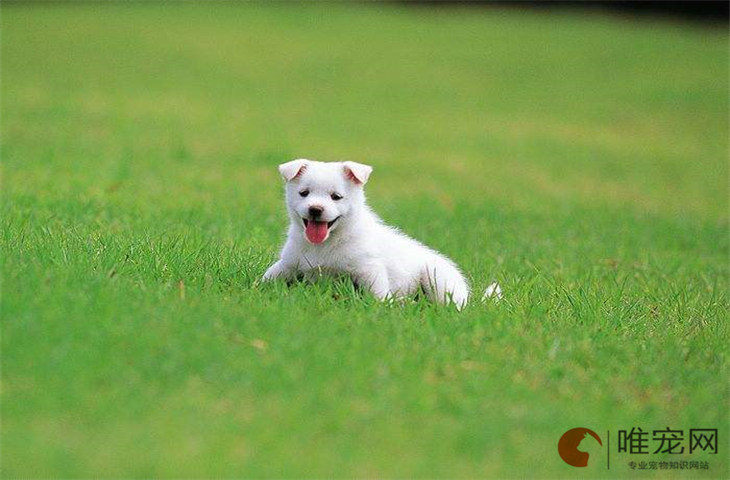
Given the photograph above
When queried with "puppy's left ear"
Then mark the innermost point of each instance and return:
(291, 170)
(357, 172)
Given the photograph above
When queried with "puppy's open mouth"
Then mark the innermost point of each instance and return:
(317, 232)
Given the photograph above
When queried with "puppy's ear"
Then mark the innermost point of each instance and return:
(291, 170)
(357, 172)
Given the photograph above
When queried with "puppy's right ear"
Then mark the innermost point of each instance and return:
(291, 170)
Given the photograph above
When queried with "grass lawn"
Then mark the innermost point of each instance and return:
(582, 161)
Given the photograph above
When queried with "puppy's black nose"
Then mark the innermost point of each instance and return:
(315, 212)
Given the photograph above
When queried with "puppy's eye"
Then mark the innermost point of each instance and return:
(304, 193)
(336, 196)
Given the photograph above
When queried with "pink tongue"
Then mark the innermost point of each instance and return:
(316, 231)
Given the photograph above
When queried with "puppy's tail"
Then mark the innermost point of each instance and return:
(444, 283)
(492, 293)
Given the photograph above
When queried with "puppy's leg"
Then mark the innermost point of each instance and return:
(444, 283)
(280, 269)
(374, 277)
(286, 266)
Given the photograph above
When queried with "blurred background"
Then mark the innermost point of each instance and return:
(707, 11)
(462, 86)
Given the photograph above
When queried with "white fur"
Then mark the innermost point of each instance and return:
(493, 292)
(378, 257)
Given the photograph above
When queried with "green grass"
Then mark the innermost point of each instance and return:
(580, 160)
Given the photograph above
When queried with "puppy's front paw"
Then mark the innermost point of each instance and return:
(271, 273)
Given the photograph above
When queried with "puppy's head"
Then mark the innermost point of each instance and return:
(320, 196)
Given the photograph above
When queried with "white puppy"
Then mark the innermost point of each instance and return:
(333, 231)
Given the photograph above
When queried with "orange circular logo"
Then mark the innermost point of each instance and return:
(568, 446)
